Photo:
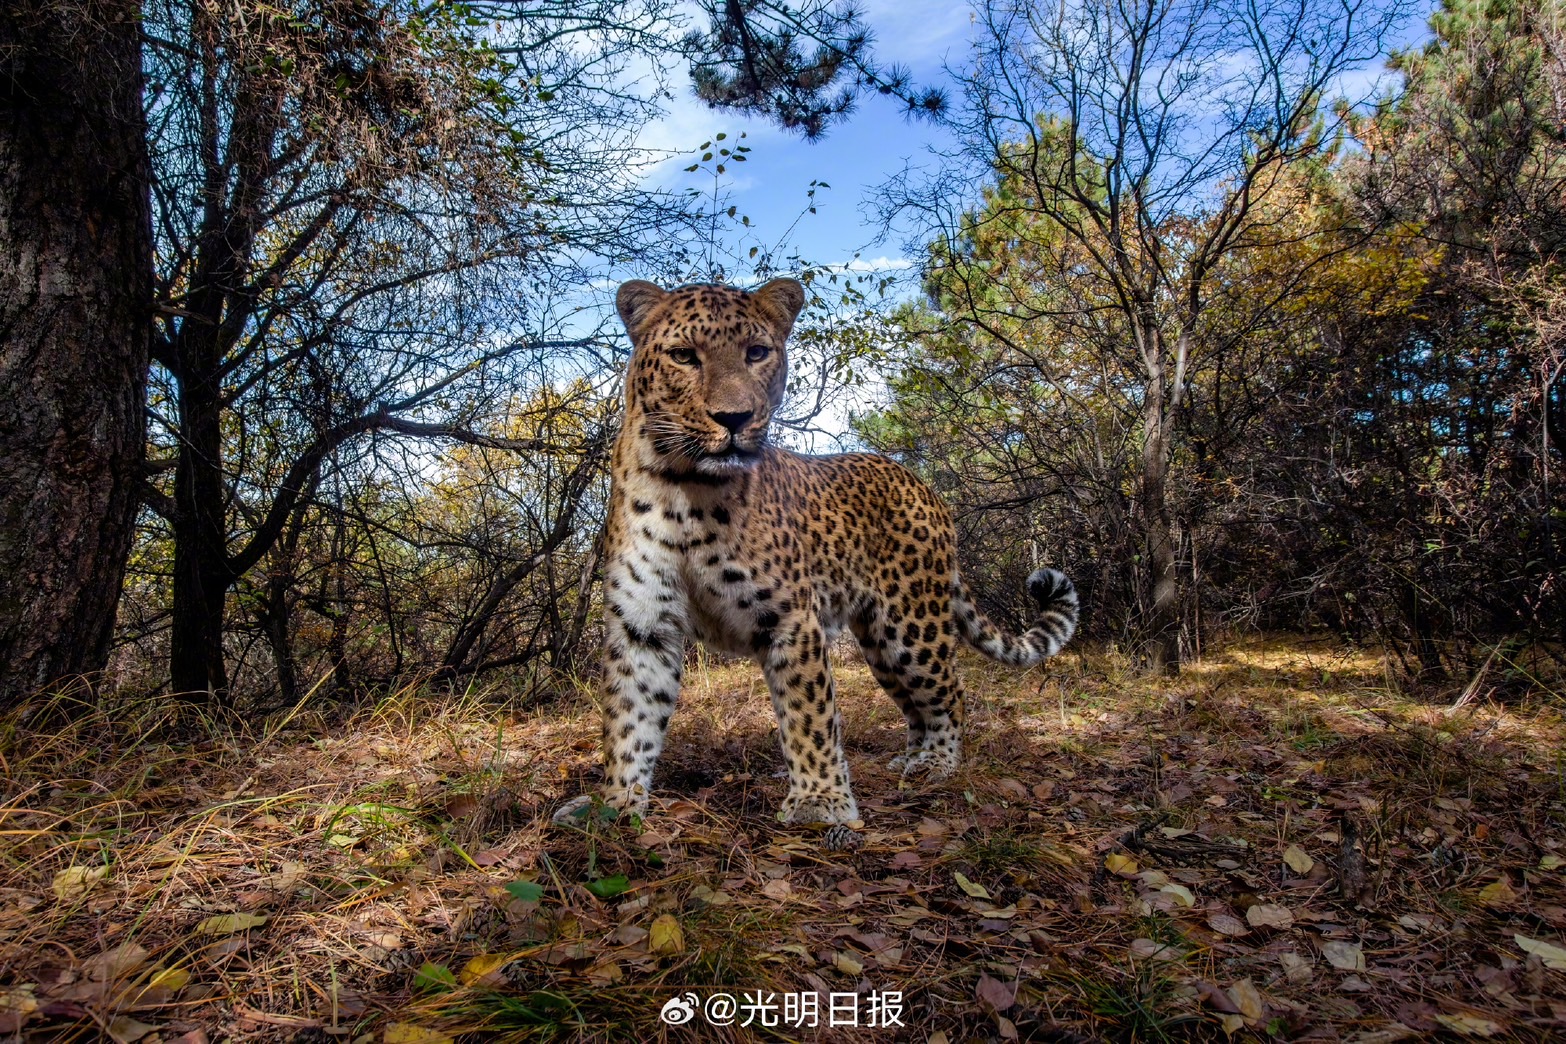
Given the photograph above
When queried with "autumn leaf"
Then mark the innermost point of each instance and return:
(665, 936)
(994, 993)
(116, 962)
(1120, 865)
(978, 891)
(1266, 915)
(476, 970)
(1298, 860)
(1147, 948)
(409, 1033)
(125, 1030)
(1470, 1024)
(1226, 924)
(1497, 893)
(228, 924)
(1296, 969)
(1345, 956)
(1552, 956)
(76, 881)
(170, 979)
(1245, 998)
(847, 964)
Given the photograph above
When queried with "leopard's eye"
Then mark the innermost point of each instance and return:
(757, 352)
(684, 356)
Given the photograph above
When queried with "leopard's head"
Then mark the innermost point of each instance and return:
(708, 368)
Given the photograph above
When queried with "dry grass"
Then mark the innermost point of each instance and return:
(1130, 836)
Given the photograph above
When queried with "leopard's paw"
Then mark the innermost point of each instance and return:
(928, 766)
(575, 812)
(831, 809)
(593, 809)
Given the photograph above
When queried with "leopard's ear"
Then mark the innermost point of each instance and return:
(782, 296)
(634, 300)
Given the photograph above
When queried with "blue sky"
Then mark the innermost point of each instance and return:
(855, 156)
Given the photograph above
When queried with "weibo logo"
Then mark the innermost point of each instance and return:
(679, 1009)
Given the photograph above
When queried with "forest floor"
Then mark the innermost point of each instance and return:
(1275, 845)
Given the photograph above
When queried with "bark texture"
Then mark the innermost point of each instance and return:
(75, 282)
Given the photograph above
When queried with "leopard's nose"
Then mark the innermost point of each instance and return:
(733, 421)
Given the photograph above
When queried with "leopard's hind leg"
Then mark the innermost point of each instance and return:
(913, 662)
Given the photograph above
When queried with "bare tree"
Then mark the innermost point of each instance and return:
(359, 214)
(1142, 136)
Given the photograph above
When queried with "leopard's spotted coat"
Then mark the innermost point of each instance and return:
(716, 535)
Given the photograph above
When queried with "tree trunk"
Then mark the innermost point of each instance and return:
(1162, 633)
(75, 287)
(202, 575)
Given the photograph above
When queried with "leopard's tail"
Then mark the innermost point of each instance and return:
(1056, 597)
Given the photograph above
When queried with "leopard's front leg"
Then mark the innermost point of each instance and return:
(644, 652)
(794, 659)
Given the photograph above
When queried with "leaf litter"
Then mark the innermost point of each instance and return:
(1274, 844)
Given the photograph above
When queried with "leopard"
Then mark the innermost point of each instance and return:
(718, 534)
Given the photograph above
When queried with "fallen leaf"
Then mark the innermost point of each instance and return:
(1552, 956)
(1157, 951)
(609, 887)
(847, 964)
(1226, 924)
(116, 963)
(1296, 969)
(1181, 893)
(1345, 956)
(711, 897)
(1497, 893)
(408, 1033)
(228, 924)
(434, 978)
(1119, 864)
(76, 881)
(1471, 1025)
(527, 891)
(1298, 860)
(170, 979)
(1014, 788)
(1551, 862)
(482, 967)
(17, 1004)
(1269, 916)
(1231, 1024)
(978, 891)
(1245, 997)
(777, 888)
(939, 1037)
(126, 1030)
(665, 936)
(995, 993)
(605, 974)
